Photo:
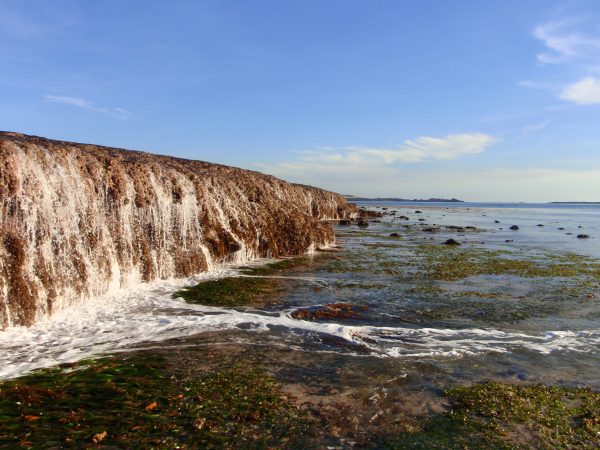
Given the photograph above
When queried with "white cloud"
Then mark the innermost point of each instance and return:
(563, 42)
(377, 162)
(118, 113)
(421, 149)
(584, 92)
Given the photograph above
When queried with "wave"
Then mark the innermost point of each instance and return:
(127, 319)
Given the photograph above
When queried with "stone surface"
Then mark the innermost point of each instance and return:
(78, 220)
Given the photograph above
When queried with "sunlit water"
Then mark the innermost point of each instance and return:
(560, 346)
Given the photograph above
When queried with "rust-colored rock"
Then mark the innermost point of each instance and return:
(78, 220)
(330, 311)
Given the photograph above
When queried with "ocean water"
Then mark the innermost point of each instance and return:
(430, 332)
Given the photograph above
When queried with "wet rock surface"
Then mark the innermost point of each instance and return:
(79, 220)
(330, 312)
(452, 242)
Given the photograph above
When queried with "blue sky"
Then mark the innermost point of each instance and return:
(481, 100)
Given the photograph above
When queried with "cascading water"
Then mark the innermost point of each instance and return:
(79, 221)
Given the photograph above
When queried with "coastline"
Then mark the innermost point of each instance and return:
(447, 334)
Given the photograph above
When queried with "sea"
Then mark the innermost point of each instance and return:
(417, 333)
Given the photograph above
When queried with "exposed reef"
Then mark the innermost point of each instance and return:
(78, 220)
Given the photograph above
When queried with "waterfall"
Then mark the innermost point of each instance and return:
(78, 221)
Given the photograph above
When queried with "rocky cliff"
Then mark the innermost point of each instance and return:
(77, 221)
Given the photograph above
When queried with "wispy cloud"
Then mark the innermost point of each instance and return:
(533, 128)
(567, 41)
(583, 92)
(118, 113)
(564, 42)
(375, 161)
(430, 148)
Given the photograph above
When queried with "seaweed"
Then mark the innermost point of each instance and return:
(135, 402)
(509, 416)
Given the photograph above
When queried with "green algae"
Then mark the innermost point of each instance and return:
(500, 415)
(136, 402)
(229, 291)
(253, 287)
(277, 267)
(452, 264)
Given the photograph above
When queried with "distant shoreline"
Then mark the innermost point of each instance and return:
(577, 203)
(395, 199)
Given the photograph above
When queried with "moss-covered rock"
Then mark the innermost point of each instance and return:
(498, 415)
(135, 402)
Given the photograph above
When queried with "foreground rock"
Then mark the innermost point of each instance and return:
(80, 220)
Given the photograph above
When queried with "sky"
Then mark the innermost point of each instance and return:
(478, 100)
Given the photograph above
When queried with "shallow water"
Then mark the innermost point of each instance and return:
(428, 333)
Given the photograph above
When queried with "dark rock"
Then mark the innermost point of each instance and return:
(395, 235)
(345, 222)
(403, 218)
(430, 229)
(421, 220)
(234, 247)
(452, 242)
(508, 240)
(540, 224)
(583, 236)
(496, 221)
(362, 223)
(514, 227)
(560, 228)
(365, 213)
(418, 212)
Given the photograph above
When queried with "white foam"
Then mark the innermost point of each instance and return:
(150, 314)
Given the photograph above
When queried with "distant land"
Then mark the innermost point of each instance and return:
(397, 199)
(578, 203)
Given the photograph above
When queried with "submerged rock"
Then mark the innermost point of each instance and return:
(514, 227)
(583, 236)
(330, 311)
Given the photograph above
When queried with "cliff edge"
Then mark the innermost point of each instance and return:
(78, 220)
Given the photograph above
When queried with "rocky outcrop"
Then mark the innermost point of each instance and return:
(77, 221)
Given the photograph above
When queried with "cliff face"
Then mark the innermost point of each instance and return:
(77, 221)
